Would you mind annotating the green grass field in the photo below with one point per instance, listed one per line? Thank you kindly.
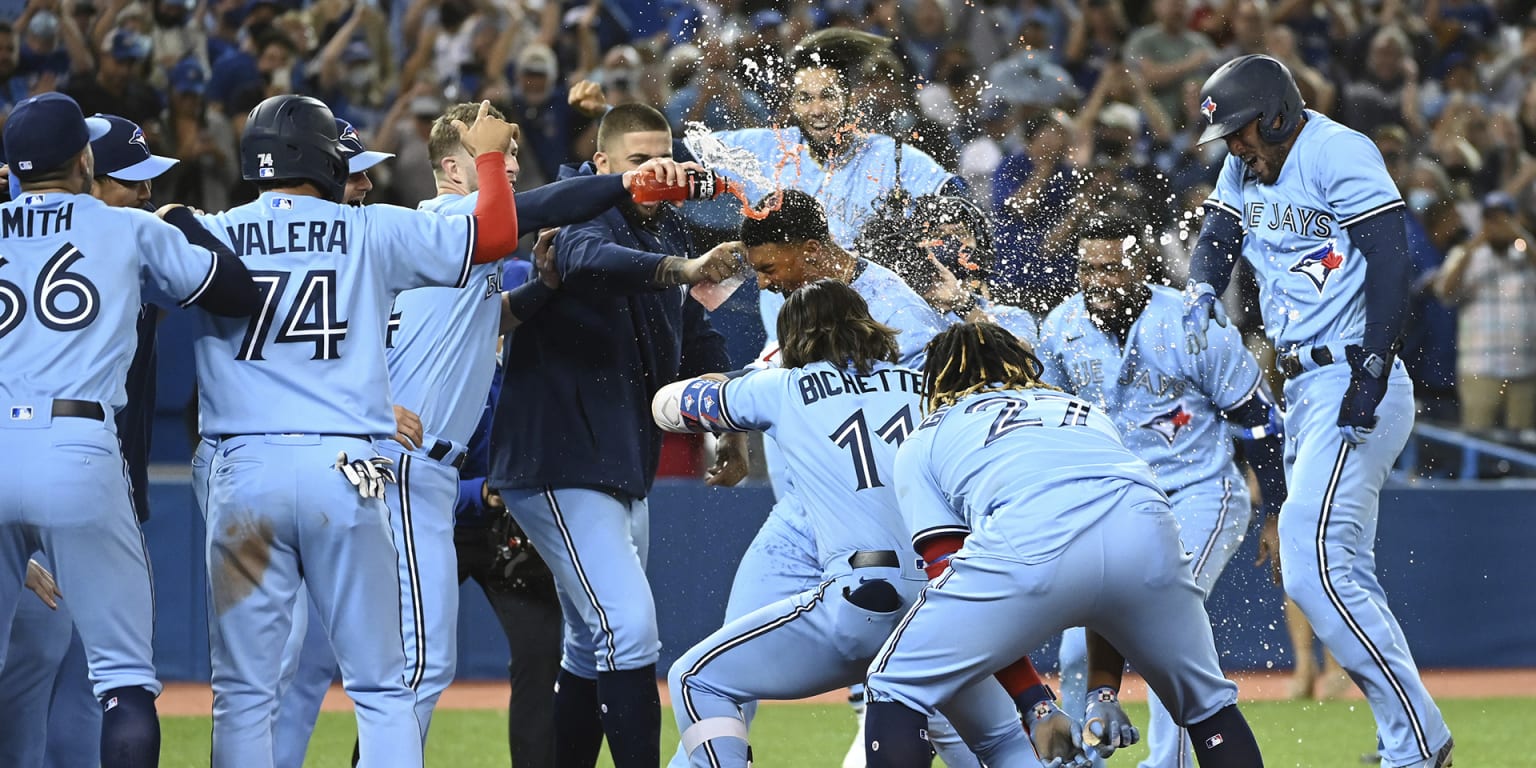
(1303, 735)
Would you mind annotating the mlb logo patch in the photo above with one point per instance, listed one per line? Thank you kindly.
(21, 413)
(1214, 741)
(1208, 108)
(110, 705)
(1317, 264)
(282, 203)
(32, 200)
(25, 165)
(266, 173)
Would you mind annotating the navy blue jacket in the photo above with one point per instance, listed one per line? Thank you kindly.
(136, 420)
(579, 375)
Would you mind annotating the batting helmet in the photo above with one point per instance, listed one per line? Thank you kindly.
(930, 212)
(1249, 88)
(294, 137)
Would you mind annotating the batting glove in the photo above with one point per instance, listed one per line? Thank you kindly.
(1367, 386)
(1105, 726)
(1057, 739)
(1201, 305)
(368, 475)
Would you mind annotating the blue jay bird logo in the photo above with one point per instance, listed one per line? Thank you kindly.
(1208, 108)
(350, 134)
(1168, 425)
(138, 138)
(1319, 263)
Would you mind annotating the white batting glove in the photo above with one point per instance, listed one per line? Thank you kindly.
(368, 476)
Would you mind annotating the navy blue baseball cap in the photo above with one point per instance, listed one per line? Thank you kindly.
(44, 132)
(359, 159)
(123, 153)
(128, 45)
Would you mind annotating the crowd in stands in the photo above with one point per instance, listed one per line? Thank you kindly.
(1047, 110)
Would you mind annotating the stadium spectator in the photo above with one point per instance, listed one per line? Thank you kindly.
(1168, 52)
(118, 86)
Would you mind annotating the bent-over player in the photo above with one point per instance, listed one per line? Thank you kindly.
(1310, 205)
(1064, 527)
(1119, 345)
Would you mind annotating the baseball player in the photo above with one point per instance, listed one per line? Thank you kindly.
(296, 398)
(50, 716)
(838, 369)
(1118, 345)
(75, 275)
(1063, 526)
(574, 450)
(1308, 202)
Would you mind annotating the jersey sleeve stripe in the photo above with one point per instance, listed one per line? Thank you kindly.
(1224, 207)
(725, 412)
(1353, 220)
(213, 269)
(1252, 390)
(940, 530)
(469, 252)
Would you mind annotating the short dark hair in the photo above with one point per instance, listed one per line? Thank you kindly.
(840, 49)
(793, 217)
(826, 321)
(629, 118)
(1109, 228)
(274, 37)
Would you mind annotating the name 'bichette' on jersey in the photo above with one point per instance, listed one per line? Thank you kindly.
(67, 312)
(327, 273)
(442, 342)
(1309, 271)
(1167, 404)
(1033, 516)
(837, 429)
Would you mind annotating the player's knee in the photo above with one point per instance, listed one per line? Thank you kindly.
(712, 729)
(130, 728)
(1224, 740)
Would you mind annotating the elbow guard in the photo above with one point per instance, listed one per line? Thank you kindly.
(692, 405)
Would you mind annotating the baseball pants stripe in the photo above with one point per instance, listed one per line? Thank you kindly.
(1349, 619)
(581, 573)
(412, 577)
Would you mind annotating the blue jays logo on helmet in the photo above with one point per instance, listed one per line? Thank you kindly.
(350, 134)
(138, 138)
(1208, 108)
(1168, 425)
(1318, 263)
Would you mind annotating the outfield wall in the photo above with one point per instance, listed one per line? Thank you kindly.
(1453, 561)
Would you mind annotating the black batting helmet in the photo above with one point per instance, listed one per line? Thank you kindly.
(294, 137)
(1249, 88)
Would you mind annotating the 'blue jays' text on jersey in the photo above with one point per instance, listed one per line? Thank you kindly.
(890, 302)
(1166, 402)
(312, 361)
(72, 274)
(442, 342)
(839, 432)
(851, 182)
(1023, 472)
(1310, 273)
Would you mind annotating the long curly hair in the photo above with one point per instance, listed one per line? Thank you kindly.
(826, 321)
(977, 357)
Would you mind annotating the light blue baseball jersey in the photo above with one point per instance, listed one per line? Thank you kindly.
(1016, 320)
(850, 184)
(839, 432)
(1167, 403)
(890, 302)
(1022, 472)
(73, 273)
(442, 342)
(312, 361)
(1310, 273)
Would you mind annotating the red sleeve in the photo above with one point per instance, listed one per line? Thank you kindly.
(495, 214)
(1019, 677)
(936, 551)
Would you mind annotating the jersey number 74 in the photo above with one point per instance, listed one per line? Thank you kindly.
(311, 318)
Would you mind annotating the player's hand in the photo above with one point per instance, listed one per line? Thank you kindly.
(41, 582)
(408, 431)
(721, 262)
(368, 476)
(544, 258)
(488, 134)
(669, 172)
(1057, 739)
(1105, 725)
(164, 210)
(1201, 305)
(490, 499)
(1269, 547)
(1368, 374)
(587, 98)
(731, 462)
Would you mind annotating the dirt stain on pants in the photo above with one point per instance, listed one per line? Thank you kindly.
(241, 555)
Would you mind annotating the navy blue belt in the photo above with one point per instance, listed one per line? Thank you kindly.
(874, 558)
(442, 448)
(79, 409)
